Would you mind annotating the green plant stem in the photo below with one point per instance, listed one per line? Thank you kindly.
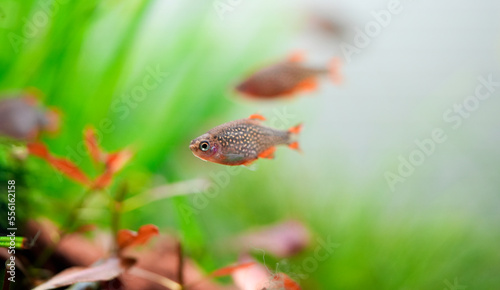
(116, 211)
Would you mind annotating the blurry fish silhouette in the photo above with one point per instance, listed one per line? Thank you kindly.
(241, 142)
(23, 119)
(287, 78)
(329, 25)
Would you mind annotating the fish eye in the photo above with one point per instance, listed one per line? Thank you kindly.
(204, 146)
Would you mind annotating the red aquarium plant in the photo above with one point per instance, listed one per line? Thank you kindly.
(113, 162)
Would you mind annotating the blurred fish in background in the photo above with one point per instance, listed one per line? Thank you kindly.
(327, 24)
(287, 78)
(23, 118)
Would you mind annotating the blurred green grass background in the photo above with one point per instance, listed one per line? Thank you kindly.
(90, 56)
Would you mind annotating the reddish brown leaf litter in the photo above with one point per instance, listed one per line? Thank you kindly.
(82, 255)
(73, 250)
(162, 259)
(103, 270)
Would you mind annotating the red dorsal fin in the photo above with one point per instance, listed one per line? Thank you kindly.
(257, 117)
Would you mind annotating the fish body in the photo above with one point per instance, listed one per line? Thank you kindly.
(22, 119)
(286, 78)
(241, 142)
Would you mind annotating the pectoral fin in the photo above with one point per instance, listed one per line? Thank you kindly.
(307, 85)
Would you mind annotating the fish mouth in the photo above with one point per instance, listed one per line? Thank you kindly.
(192, 145)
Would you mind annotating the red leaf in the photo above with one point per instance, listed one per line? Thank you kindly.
(90, 138)
(230, 269)
(104, 271)
(64, 166)
(38, 149)
(125, 238)
(145, 233)
(128, 238)
(69, 169)
(116, 161)
(104, 180)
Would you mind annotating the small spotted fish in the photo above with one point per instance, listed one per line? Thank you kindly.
(287, 78)
(241, 142)
(23, 119)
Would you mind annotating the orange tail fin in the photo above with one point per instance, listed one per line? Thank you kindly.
(295, 131)
(334, 70)
(295, 146)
